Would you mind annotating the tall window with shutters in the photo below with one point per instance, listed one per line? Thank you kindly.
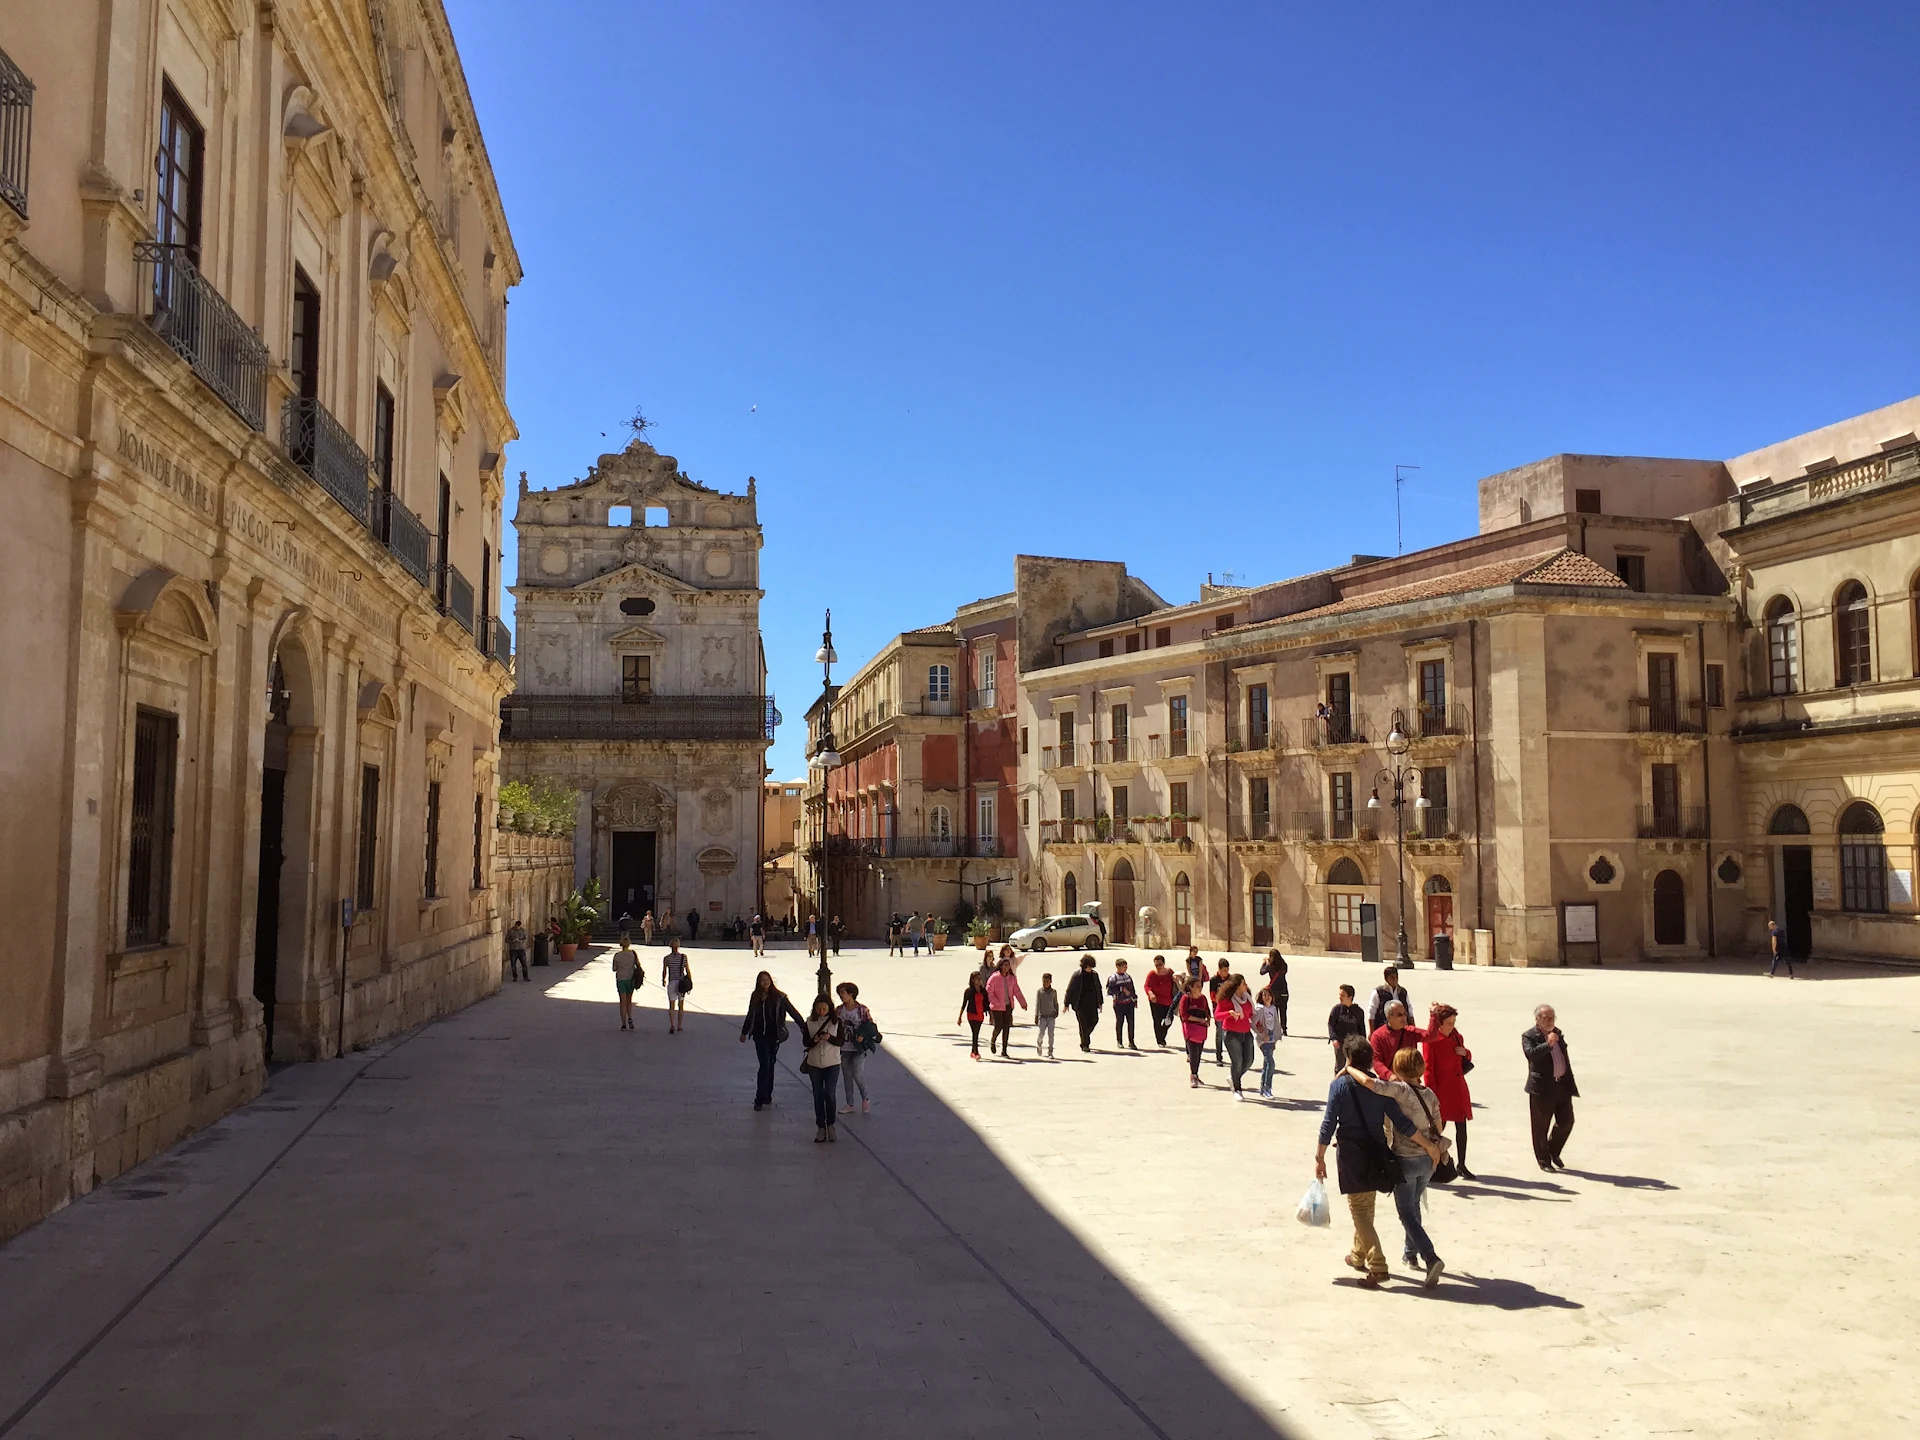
(430, 884)
(366, 869)
(1852, 635)
(156, 737)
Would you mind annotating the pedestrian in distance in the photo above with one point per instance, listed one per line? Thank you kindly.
(1084, 998)
(1196, 1018)
(813, 936)
(1417, 1153)
(1384, 995)
(1551, 1090)
(1126, 1000)
(859, 1037)
(1346, 1021)
(627, 975)
(838, 932)
(1777, 943)
(973, 1007)
(1161, 986)
(1274, 971)
(1448, 1060)
(916, 929)
(1234, 1012)
(896, 936)
(822, 1065)
(1003, 993)
(517, 952)
(766, 1024)
(1214, 981)
(757, 933)
(693, 927)
(1266, 1034)
(1195, 965)
(676, 978)
(646, 928)
(1046, 1014)
(1393, 1036)
(1365, 1166)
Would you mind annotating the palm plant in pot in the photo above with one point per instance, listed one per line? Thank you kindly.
(578, 912)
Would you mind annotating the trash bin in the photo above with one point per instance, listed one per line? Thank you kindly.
(540, 948)
(1443, 952)
(1370, 934)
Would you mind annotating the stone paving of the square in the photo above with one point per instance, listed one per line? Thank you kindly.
(521, 1221)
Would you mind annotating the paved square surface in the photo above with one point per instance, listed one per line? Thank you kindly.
(523, 1222)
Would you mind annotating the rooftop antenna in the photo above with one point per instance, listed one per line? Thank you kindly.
(1399, 545)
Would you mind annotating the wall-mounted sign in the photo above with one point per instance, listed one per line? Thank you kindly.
(1582, 924)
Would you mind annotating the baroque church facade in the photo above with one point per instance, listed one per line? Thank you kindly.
(641, 681)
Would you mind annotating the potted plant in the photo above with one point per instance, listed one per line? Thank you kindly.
(1102, 826)
(578, 912)
(937, 934)
(980, 931)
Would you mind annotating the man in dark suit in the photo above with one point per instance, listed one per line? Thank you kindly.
(1550, 1088)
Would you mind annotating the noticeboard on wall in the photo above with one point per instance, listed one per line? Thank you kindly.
(1580, 931)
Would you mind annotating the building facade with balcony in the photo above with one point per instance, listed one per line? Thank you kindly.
(253, 270)
(641, 682)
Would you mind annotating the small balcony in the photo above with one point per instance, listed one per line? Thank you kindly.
(1668, 717)
(987, 699)
(1242, 738)
(1119, 750)
(1433, 823)
(401, 531)
(1317, 826)
(1063, 757)
(16, 133)
(1677, 822)
(205, 331)
(1328, 726)
(321, 446)
(500, 642)
(459, 599)
(1257, 826)
(1433, 722)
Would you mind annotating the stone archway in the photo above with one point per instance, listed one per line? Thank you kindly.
(633, 847)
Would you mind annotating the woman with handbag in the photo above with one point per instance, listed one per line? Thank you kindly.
(767, 1012)
(1420, 1154)
(1366, 1166)
(1448, 1061)
(860, 1037)
(822, 1065)
(676, 978)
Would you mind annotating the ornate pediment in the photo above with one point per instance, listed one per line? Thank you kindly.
(637, 637)
(634, 805)
(634, 575)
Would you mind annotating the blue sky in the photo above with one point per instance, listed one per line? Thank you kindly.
(1178, 284)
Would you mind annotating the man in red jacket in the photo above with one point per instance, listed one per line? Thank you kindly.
(1393, 1037)
(1159, 988)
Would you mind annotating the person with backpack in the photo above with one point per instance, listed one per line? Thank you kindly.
(767, 1012)
(1046, 1013)
(1083, 997)
(627, 977)
(822, 1064)
(859, 1038)
(1195, 1014)
(676, 978)
(973, 1007)
(1126, 1000)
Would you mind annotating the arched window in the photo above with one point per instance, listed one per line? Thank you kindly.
(1069, 895)
(940, 823)
(1345, 872)
(1182, 909)
(939, 682)
(1262, 909)
(1788, 820)
(1852, 635)
(1437, 885)
(1863, 859)
(1783, 648)
(1669, 909)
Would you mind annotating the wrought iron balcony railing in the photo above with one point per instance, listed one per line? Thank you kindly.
(400, 530)
(1336, 727)
(987, 699)
(16, 133)
(460, 599)
(1433, 720)
(501, 647)
(658, 717)
(321, 446)
(1061, 757)
(1668, 717)
(1677, 822)
(1319, 825)
(1257, 826)
(1241, 737)
(206, 332)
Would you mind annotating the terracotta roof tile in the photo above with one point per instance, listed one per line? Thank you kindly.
(1563, 567)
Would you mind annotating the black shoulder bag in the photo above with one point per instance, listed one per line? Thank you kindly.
(1383, 1166)
(1445, 1172)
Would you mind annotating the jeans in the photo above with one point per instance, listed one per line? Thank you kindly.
(1196, 1051)
(1239, 1055)
(853, 1065)
(1002, 1030)
(517, 965)
(1219, 1043)
(1780, 957)
(1366, 1240)
(1416, 1171)
(826, 1085)
(1162, 1021)
(1557, 1108)
(767, 1047)
(1043, 1036)
(1266, 1067)
(1123, 1025)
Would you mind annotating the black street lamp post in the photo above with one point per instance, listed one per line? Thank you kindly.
(1399, 777)
(825, 758)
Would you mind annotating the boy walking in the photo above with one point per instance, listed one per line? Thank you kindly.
(1046, 1010)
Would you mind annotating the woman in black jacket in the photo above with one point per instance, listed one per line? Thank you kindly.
(766, 1022)
(1084, 998)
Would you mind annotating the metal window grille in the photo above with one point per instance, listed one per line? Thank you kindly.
(479, 837)
(150, 848)
(431, 885)
(365, 872)
(16, 133)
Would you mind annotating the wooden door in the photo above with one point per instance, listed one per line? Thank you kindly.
(1439, 919)
(1343, 919)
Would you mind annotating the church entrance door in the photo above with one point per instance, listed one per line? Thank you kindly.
(633, 873)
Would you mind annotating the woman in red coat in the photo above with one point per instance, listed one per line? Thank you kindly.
(1447, 1059)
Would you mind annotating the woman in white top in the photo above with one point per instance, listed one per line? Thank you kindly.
(1418, 1153)
(824, 1033)
(1266, 1034)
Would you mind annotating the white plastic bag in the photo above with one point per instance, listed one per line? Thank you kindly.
(1313, 1206)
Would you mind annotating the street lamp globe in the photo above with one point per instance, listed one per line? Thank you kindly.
(1373, 800)
(826, 655)
(1397, 742)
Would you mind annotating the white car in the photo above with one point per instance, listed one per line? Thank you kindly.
(1059, 932)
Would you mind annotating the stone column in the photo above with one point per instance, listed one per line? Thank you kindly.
(1526, 924)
